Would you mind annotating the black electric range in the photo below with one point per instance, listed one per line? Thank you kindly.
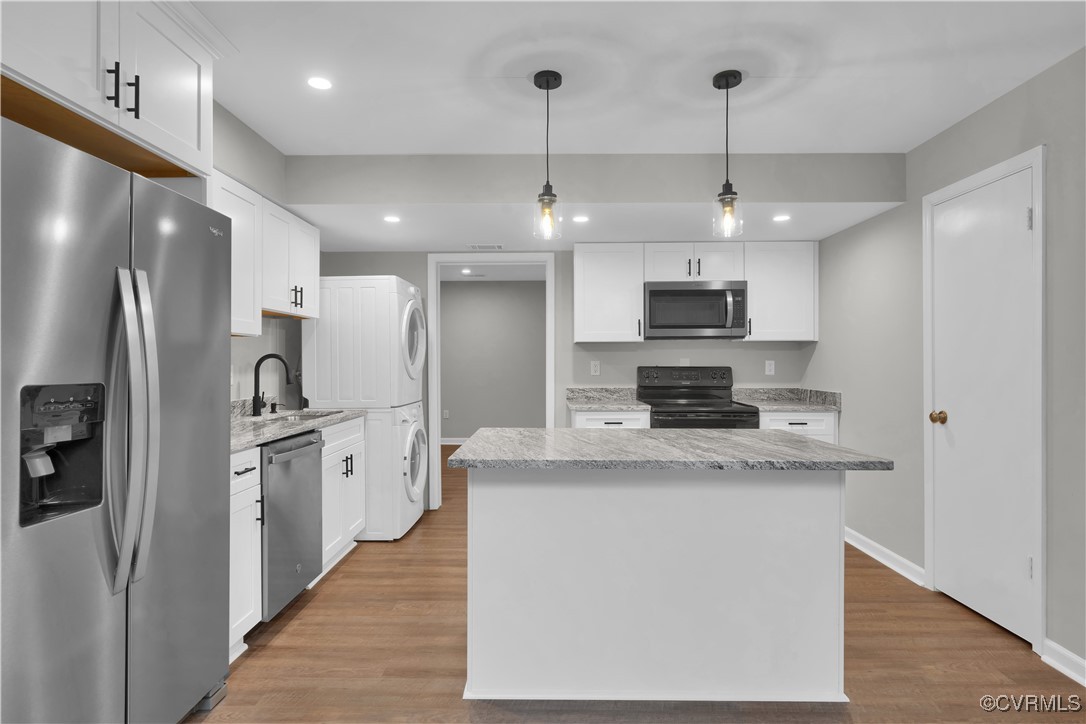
(693, 397)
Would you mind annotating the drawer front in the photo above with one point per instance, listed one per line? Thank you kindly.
(813, 424)
(625, 418)
(244, 470)
(340, 437)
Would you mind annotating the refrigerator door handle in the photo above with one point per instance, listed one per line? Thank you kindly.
(137, 448)
(154, 421)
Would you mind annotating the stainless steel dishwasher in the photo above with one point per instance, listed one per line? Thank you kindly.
(291, 518)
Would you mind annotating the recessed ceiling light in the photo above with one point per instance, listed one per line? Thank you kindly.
(392, 219)
(465, 271)
(580, 219)
(320, 83)
(781, 217)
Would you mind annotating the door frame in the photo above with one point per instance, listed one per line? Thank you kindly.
(1032, 420)
(434, 263)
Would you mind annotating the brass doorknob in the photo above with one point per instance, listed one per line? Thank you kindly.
(939, 417)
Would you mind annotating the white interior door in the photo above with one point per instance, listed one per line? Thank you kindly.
(985, 373)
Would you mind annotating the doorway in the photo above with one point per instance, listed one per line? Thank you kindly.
(451, 265)
(984, 387)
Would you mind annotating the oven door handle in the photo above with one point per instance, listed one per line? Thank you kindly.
(730, 304)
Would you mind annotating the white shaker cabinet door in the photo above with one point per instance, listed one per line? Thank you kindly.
(718, 261)
(166, 75)
(243, 206)
(669, 262)
(334, 470)
(67, 60)
(608, 292)
(304, 273)
(782, 289)
(276, 259)
(354, 491)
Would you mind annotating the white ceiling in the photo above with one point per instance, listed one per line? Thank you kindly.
(451, 227)
(454, 77)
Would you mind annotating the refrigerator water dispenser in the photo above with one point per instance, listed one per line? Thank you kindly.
(61, 448)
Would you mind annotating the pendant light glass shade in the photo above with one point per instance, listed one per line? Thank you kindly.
(547, 219)
(727, 212)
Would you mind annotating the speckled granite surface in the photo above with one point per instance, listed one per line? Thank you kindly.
(248, 431)
(632, 449)
(595, 399)
(788, 399)
(766, 399)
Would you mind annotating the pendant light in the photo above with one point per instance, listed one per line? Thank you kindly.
(547, 222)
(727, 213)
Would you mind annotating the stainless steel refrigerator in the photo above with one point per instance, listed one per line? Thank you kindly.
(114, 366)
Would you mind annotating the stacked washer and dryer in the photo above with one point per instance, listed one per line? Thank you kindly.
(367, 351)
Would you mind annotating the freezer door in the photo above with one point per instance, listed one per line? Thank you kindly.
(65, 233)
(180, 592)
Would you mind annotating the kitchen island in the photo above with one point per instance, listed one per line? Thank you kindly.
(655, 564)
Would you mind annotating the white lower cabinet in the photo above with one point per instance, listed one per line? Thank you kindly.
(818, 425)
(343, 488)
(611, 419)
(245, 547)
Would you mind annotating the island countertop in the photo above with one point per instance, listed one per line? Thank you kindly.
(654, 448)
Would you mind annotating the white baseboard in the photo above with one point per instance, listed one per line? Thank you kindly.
(1064, 661)
(453, 440)
(885, 556)
(237, 650)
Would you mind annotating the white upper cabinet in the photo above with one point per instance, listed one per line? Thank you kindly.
(244, 207)
(782, 288)
(710, 261)
(291, 263)
(166, 75)
(70, 61)
(608, 292)
(133, 65)
(719, 261)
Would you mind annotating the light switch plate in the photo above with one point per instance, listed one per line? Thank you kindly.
(770, 367)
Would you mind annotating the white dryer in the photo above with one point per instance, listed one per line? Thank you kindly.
(369, 346)
(397, 455)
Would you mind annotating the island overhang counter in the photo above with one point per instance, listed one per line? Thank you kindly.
(655, 564)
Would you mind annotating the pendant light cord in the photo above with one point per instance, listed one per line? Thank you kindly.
(727, 152)
(549, 134)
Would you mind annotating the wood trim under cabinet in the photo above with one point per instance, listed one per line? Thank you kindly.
(33, 110)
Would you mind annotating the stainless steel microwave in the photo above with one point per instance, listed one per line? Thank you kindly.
(699, 310)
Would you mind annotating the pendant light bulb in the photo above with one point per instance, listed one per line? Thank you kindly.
(547, 221)
(727, 212)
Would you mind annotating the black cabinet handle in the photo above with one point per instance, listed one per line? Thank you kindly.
(687, 267)
(245, 471)
(750, 326)
(639, 328)
(260, 517)
(699, 267)
(116, 73)
(797, 423)
(136, 86)
(346, 467)
(301, 296)
(608, 422)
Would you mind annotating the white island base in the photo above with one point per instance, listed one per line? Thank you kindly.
(660, 584)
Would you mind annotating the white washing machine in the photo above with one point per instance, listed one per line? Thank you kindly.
(397, 455)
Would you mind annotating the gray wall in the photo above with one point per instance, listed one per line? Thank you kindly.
(871, 344)
(493, 355)
(244, 155)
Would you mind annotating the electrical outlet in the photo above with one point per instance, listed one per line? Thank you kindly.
(594, 367)
(684, 361)
(444, 414)
(770, 367)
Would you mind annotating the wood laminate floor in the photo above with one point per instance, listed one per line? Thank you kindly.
(382, 639)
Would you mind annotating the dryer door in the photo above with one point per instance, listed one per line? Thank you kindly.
(413, 338)
(415, 457)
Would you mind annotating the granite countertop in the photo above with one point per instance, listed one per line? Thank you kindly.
(632, 449)
(248, 432)
(603, 399)
(766, 399)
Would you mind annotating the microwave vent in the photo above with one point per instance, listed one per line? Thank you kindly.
(486, 247)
